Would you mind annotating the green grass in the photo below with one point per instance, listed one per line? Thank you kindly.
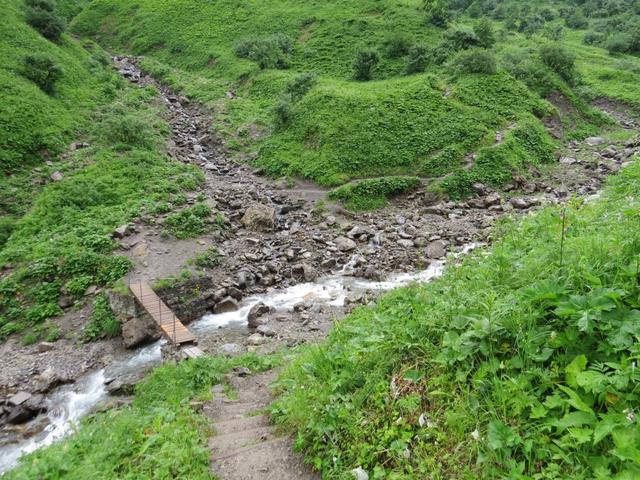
(340, 130)
(160, 436)
(373, 192)
(62, 240)
(520, 362)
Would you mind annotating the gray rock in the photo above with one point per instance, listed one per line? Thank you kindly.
(436, 249)
(405, 243)
(492, 199)
(230, 349)
(65, 301)
(520, 203)
(121, 232)
(139, 330)
(266, 331)
(345, 244)
(227, 304)
(19, 398)
(256, 339)
(305, 271)
(45, 347)
(20, 415)
(259, 218)
(255, 314)
(57, 176)
(594, 141)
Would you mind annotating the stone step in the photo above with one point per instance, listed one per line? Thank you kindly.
(227, 443)
(271, 460)
(240, 423)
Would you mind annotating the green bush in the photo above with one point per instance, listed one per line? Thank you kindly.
(485, 33)
(417, 59)
(207, 259)
(46, 22)
(300, 86)
(592, 37)
(373, 192)
(269, 51)
(438, 12)
(460, 37)
(398, 44)
(474, 61)
(364, 64)
(283, 112)
(560, 60)
(43, 71)
(189, 222)
(127, 130)
(102, 322)
(619, 43)
(577, 20)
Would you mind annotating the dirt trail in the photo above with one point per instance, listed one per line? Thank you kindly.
(245, 445)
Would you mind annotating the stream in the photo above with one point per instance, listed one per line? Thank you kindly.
(68, 404)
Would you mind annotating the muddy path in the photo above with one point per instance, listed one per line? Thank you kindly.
(286, 269)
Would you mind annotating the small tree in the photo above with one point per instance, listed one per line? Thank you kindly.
(364, 64)
(46, 22)
(417, 60)
(398, 44)
(42, 71)
(485, 33)
(558, 59)
(437, 12)
(474, 61)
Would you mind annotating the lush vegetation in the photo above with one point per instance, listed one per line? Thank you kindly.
(160, 435)
(400, 87)
(519, 363)
(373, 192)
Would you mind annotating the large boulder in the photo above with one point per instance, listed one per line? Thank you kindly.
(139, 330)
(436, 249)
(259, 218)
(226, 305)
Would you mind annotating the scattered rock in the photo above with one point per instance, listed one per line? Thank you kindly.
(255, 314)
(19, 398)
(345, 244)
(121, 232)
(43, 347)
(57, 176)
(594, 141)
(227, 304)
(259, 218)
(230, 349)
(256, 339)
(266, 331)
(436, 249)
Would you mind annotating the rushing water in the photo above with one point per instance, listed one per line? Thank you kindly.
(68, 404)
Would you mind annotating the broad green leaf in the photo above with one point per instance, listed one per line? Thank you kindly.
(606, 425)
(594, 382)
(575, 401)
(575, 419)
(581, 435)
(572, 370)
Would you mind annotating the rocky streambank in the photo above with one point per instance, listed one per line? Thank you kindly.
(269, 237)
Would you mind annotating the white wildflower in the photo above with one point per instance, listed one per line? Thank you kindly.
(360, 474)
(475, 435)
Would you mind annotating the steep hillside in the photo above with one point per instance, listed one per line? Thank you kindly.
(280, 76)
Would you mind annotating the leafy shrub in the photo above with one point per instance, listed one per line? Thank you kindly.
(207, 259)
(417, 59)
(398, 44)
(592, 37)
(558, 59)
(577, 20)
(365, 64)
(373, 192)
(6, 227)
(283, 111)
(189, 222)
(300, 86)
(102, 321)
(269, 51)
(127, 130)
(485, 33)
(46, 22)
(461, 37)
(29, 339)
(474, 61)
(619, 43)
(43, 71)
(438, 13)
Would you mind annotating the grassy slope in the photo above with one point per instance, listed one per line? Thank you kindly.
(56, 236)
(32, 122)
(342, 129)
(518, 363)
(160, 436)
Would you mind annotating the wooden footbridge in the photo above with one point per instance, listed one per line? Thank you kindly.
(172, 328)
